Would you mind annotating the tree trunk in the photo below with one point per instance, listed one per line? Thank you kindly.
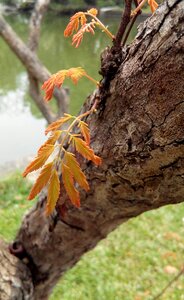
(139, 133)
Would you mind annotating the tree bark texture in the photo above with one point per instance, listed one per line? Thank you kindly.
(138, 131)
(15, 277)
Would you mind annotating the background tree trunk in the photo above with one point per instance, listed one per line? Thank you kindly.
(139, 133)
(37, 72)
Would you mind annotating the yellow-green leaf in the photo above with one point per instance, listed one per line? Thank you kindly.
(93, 11)
(53, 192)
(68, 182)
(76, 171)
(39, 161)
(41, 181)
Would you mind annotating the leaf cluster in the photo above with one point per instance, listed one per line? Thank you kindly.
(62, 161)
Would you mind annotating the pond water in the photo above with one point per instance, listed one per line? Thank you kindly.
(21, 124)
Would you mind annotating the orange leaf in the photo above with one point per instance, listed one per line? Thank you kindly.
(41, 181)
(39, 161)
(51, 140)
(93, 11)
(68, 182)
(73, 25)
(57, 79)
(76, 171)
(83, 148)
(53, 192)
(78, 37)
(153, 5)
(85, 131)
(55, 125)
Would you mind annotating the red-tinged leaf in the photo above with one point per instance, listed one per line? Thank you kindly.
(83, 148)
(78, 37)
(85, 131)
(75, 21)
(57, 79)
(41, 181)
(55, 125)
(53, 192)
(153, 5)
(51, 140)
(48, 86)
(69, 185)
(76, 171)
(39, 161)
(93, 11)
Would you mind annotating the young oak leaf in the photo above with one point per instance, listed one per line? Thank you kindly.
(75, 169)
(78, 19)
(78, 37)
(85, 131)
(83, 148)
(41, 181)
(57, 79)
(55, 125)
(53, 192)
(39, 161)
(68, 182)
(153, 5)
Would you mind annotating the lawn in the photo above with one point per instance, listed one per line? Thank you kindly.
(134, 263)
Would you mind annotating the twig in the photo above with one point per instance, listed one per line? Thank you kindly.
(181, 272)
(126, 16)
(131, 24)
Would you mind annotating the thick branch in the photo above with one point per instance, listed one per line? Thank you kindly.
(140, 136)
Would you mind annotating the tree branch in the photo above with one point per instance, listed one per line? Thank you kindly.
(35, 23)
(124, 22)
(140, 137)
(131, 24)
(33, 42)
(30, 61)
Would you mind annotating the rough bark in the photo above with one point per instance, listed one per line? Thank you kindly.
(35, 69)
(139, 133)
(15, 277)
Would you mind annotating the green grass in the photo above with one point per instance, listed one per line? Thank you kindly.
(131, 264)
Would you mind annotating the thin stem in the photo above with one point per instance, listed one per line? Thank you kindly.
(126, 16)
(181, 272)
(101, 25)
(138, 8)
(92, 79)
(67, 131)
(131, 24)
